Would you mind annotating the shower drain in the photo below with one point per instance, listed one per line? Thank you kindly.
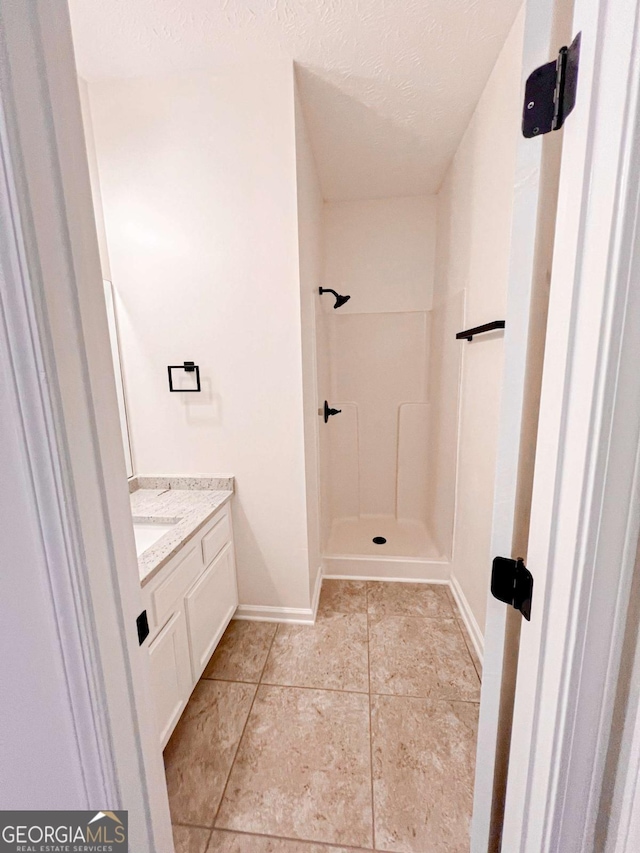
(379, 540)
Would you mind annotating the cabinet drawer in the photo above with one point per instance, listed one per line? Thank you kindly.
(214, 541)
(210, 605)
(171, 591)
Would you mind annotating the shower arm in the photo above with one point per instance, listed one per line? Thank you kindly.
(340, 300)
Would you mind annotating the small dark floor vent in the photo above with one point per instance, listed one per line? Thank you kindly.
(379, 540)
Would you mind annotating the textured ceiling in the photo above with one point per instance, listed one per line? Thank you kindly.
(388, 86)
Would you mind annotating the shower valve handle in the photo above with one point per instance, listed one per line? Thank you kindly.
(329, 412)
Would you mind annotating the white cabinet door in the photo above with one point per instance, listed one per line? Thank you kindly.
(170, 674)
(210, 604)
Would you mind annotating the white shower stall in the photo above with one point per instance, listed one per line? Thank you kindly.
(388, 360)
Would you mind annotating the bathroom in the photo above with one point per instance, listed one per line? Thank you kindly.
(250, 170)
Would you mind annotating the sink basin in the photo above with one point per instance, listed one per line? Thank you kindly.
(148, 532)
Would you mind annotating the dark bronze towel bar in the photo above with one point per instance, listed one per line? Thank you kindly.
(478, 330)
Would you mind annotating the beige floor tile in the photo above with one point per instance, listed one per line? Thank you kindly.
(343, 597)
(423, 766)
(223, 841)
(199, 755)
(420, 657)
(332, 654)
(190, 839)
(408, 599)
(303, 768)
(242, 651)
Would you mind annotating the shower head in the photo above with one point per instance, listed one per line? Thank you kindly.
(340, 300)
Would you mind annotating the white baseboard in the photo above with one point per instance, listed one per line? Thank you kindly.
(473, 629)
(353, 577)
(262, 613)
(386, 569)
(293, 615)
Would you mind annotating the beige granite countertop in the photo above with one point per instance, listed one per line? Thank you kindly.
(191, 508)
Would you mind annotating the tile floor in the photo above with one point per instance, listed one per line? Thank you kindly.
(355, 733)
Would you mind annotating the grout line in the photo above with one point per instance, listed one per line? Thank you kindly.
(227, 680)
(373, 802)
(439, 618)
(426, 698)
(235, 754)
(208, 829)
(266, 660)
(244, 728)
(465, 637)
(308, 687)
(334, 845)
(470, 648)
(452, 602)
(209, 840)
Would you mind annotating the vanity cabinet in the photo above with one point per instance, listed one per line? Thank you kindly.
(209, 605)
(189, 604)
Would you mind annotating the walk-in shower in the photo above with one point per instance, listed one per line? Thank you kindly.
(389, 362)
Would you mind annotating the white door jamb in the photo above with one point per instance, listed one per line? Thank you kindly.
(52, 308)
(585, 514)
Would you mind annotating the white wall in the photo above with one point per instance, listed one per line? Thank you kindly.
(379, 365)
(198, 179)
(474, 216)
(445, 357)
(310, 251)
(381, 252)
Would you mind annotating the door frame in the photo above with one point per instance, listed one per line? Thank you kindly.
(62, 394)
(57, 277)
(545, 28)
(585, 516)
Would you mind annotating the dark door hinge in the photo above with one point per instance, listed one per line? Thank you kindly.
(550, 92)
(512, 582)
(142, 624)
